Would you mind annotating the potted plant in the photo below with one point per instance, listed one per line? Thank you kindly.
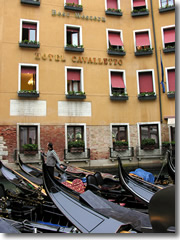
(30, 149)
(113, 11)
(28, 93)
(139, 12)
(148, 144)
(74, 48)
(29, 44)
(76, 95)
(116, 51)
(119, 96)
(120, 145)
(171, 94)
(76, 146)
(73, 7)
(147, 96)
(143, 51)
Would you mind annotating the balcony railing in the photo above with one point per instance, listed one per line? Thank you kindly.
(77, 156)
(127, 153)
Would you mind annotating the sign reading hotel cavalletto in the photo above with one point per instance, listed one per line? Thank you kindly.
(78, 59)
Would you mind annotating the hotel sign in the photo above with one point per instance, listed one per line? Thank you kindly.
(78, 59)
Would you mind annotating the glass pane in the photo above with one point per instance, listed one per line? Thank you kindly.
(75, 86)
(32, 35)
(75, 39)
(79, 133)
(144, 132)
(170, 2)
(32, 135)
(23, 136)
(70, 134)
(163, 3)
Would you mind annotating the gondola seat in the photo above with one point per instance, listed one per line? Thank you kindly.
(106, 183)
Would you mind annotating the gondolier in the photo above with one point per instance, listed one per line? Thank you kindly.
(52, 158)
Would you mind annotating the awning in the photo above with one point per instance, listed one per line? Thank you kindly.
(171, 122)
(139, 3)
(115, 39)
(171, 79)
(29, 26)
(112, 4)
(117, 80)
(73, 75)
(169, 35)
(30, 70)
(72, 1)
(142, 39)
(145, 82)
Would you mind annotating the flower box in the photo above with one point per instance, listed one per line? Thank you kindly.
(68, 96)
(28, 94)
(29, 45)
(143, 53)
(31, 2)
(171, 95)
(148, 147)
(119, 98)
(76, 149)
(120, 148)
(114, 13)
(139, 13)
(169, 50)
(30, 152)
(74, 8)
(146, 97)
(166, 9)
(115, 52)
(74, 49)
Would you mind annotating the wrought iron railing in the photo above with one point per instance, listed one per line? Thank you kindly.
(123, 153)
(77, 156)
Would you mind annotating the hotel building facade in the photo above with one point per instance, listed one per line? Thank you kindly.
(95, 78)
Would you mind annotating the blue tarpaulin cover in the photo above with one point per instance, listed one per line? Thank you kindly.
(147, 176)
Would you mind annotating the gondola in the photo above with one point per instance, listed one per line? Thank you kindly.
(21, 182)
(142, 190)
(91, 213)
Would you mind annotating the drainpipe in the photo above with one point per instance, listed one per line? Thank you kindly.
(157, 66)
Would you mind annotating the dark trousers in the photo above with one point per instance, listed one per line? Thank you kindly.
(50, 170)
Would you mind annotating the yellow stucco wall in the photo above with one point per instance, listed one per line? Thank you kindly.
(96, 79)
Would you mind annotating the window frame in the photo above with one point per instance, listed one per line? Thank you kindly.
(120, 125)
(160, 3)
(162, 33)
(81, 76)
(118, 5)
(37, 75)
(124, 79)
(150, 124)
(153, 79)
(31, 22)
(116, 31)
(75, 125)
(141, 31)
(132, 8)
(167, 80)
(28, 125)
(72, 26)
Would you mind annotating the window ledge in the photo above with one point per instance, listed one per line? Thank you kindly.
(119, 98)
(171, 95)
(31, 2)
(113, 13)
(151, 97)
(143, 53)
(29, 45)
(114, 52)
(77, 9)
(75, 96)
(74, 49)
(161, 10)
(168, 50)
(28, 95)
(137, 14)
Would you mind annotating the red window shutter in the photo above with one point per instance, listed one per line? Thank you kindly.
(73, 30)
(115, 39)
(72, 1)
(112, 4)
(139, 3)
(30, 70)
(29, 26)
(145, 82)
(171, 80)
(142, 39)
(73, 75)
(169, 35)
(117, 80)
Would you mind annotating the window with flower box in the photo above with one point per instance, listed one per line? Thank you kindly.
(28, 84)
(146, 85)
(74, 83)
(115, 42)
(120, 137)
(29, 33)
(166, 5)
(73, 38)
(142, 42)
(170, 81)
(168, 38)
(149, 136)
(112, 7)
(139, 8)
(117, 85)
(75, 138)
